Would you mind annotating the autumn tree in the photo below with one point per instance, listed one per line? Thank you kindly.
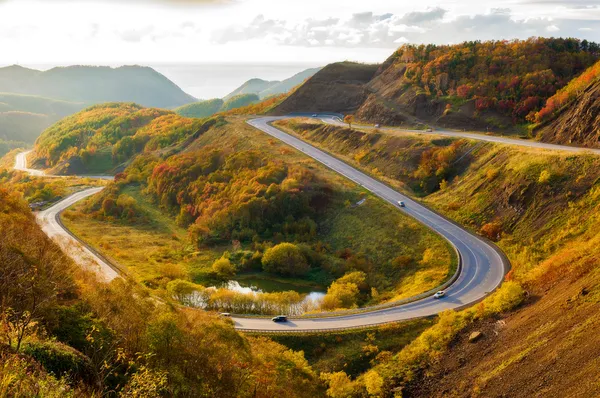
(349, 119)
(223, 268)
(285, 259)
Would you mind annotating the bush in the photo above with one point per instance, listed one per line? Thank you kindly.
(224, 268)
(285, 259)
(59, 359)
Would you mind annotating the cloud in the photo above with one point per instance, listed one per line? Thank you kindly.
(417, 17)
(367, 29)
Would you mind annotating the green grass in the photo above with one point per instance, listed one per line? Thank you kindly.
(158, 250)
(354, 350)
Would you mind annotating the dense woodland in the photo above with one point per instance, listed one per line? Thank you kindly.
(512, 77)
(103, 136)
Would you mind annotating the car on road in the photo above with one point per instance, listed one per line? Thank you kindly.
(315, 115)
(401, 203)
(377, 126)
(429, 130)
(279, 318)
(439, 294)
(225, 314)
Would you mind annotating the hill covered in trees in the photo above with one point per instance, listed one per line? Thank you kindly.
(92, 85)
(210, 107)
(200, 109)
(495, 84)
(103, 136)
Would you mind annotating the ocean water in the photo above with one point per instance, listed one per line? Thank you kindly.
(205, 81)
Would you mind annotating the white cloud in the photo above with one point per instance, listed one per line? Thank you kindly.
(132, 31)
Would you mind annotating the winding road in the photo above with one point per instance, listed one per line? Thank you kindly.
(482, 265)
(50, 223)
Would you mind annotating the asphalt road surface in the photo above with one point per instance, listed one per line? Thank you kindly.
(49, 222)
(473, 136)
(483, 268)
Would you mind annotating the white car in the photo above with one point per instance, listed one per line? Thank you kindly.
(377, 126)
(401, 203)
(439, 294)
(315, 115)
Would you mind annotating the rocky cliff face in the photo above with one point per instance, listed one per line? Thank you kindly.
(579, 123)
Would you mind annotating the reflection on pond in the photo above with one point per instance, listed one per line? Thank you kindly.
(250, 296)
(257, 285)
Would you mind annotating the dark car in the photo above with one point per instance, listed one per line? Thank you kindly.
(279, 318)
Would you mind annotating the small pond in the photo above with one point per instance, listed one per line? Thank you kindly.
(252, 284)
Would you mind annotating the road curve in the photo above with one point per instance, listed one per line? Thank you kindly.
(21, 165)
(483, 267)
(49, 221)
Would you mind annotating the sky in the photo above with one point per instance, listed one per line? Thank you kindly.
(115, 32)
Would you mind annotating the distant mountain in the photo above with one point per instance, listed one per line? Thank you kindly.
(208, 108)
(239, 101)
(200, 109)
(24, 117)
(252, 86)
(286, 85)
(92, 85)
(264, 88)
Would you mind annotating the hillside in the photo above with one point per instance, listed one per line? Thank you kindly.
(494, 85)
(101, 137)
(93, 339)
(200, 109)
(540, 208)
(234, 186)
(24, 117)
(252, 86)
(208, 108)
(339, 87)
(92, 85)
(239, 101)
(264, 88)
(572, 116)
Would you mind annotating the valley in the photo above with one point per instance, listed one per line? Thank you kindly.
(420, 227)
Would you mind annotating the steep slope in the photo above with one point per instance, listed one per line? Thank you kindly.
(572, 115)
(578, 123)
(93, 85)
(541, 209)
(103, 136)
(339, 87)
(494, 85)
